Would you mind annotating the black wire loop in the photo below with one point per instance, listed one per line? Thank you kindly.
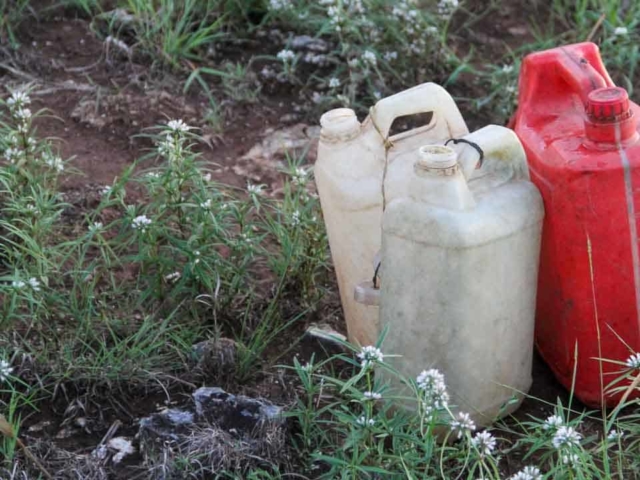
(470, 143)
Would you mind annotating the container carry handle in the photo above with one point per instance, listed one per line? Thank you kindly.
(502, 154)
(424, 98)
(579, 65)
(579, 73)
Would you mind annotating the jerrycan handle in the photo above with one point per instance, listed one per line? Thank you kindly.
(502, 154)
(580, 74)
(579, 66)
(424, 98)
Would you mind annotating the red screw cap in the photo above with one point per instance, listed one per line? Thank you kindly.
(609, 104)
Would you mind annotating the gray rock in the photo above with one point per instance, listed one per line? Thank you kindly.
(229, 411)
(169, 424)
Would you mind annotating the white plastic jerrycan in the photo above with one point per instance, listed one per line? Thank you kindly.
(352, 160)
(459, 274)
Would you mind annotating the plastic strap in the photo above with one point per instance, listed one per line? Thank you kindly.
(472, 144)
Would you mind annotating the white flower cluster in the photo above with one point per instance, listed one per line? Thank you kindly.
(369, 396)
(255, 189)
(633, 361)
(363, 422)
(339, 12)
(286, 55)
(368, 57)
(141, 222)
(17, 104)
(5, 370)
(33, 283)
(435, 395)
(95, 226)
(615, 435)
(53, 161)
(173, 277)
(172, 146)
(276, 5)
(295, 218)
(178, 126)
(369, 355)
(527, 473)
(462, 424)
(552, 423)
(566, 436)
(484, 442)
(447, 7)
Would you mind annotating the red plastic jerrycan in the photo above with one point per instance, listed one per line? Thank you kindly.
(580, 135)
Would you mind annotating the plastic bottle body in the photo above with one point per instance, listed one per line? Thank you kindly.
(459, 286)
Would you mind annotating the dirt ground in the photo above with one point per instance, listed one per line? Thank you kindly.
(99, 101)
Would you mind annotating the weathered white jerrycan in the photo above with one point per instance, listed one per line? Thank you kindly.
(459, 274)
(352, 160)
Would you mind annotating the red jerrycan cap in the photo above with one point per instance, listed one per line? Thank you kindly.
(608, 104)
(609, 116)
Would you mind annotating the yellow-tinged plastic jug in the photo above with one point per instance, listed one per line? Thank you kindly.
(352, 160)
(459, 273)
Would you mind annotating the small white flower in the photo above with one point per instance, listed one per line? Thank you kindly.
(571, 459)
(507, 68)
(206, 177)
(300, 176)
(510, 89)
(141, 222)
(18, 284)
(153, 175)
(369, 57)
(173, 277)
(95, 226)
(447, 7)
(34, 284)
(434, 390)
(389, 56)
(279, 4)
(528, 473)
(615, 435)
(566, 436)
(553, 422)
(633, 361)
(5, 370)
(484, 442)
(621, 31)
(11, 154)
(370, 354)
(463, 424)
(23, 114)
(286, 55)
(353, 63)
(178, 126)
(106, 190)
(316, 98)
(54, 162)
(362, 421)
(255, 189)
(334, 82)
(369, 395)
(307, 367)
(432, 30)
(206, 204)
(18, 99)
(295, 218)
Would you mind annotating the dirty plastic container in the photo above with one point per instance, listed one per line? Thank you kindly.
(581, 137)
(352, 161)
(459, 275)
